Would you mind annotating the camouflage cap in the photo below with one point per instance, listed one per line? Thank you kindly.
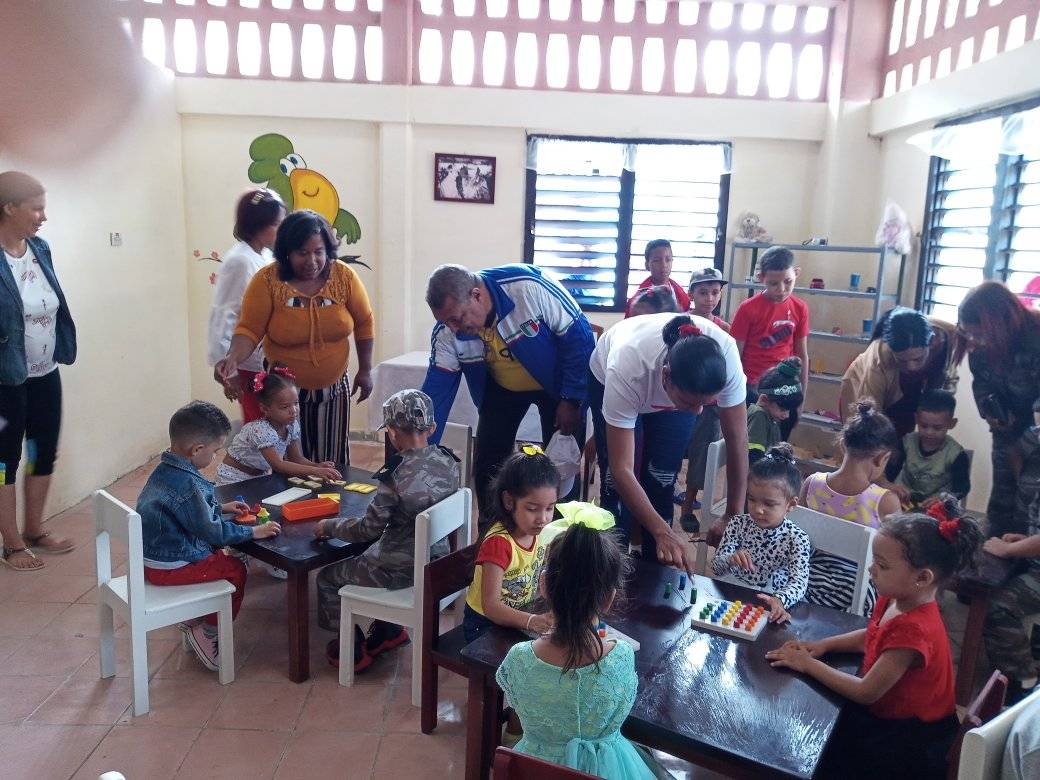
(408, 409)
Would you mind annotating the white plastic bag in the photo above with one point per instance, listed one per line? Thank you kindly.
(894, 231)
(564, 453)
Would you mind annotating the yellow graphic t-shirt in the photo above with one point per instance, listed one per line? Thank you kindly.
(521, 566)
(506, 369)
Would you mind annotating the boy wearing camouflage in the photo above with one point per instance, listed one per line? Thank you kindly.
(1007, 642)
(414, 479)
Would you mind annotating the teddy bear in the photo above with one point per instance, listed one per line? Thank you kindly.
(750, 229)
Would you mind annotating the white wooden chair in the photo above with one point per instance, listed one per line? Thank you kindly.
(404, 606)
(982, 751)
(146, 607)
(842, 538)
(459, 438)
(712, 506)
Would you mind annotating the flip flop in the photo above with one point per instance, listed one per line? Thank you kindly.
(57, 548)
(35, 563)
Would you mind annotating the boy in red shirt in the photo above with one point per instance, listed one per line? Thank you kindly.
(658, 256)
(773, 324)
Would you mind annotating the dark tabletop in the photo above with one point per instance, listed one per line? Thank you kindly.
(705, 693)
(296, 547)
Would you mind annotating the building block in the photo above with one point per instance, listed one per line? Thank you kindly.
(278, 499)
(310, 509)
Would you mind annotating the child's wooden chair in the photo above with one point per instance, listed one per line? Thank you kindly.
(441, 579)
(977, 750)
(146, 607)
(405, 606)
(510, 765)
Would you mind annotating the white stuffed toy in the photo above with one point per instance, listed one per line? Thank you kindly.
(750, 229)
(894, 232)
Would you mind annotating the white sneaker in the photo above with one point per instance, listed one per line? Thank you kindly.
(204, 645)
(274, 571)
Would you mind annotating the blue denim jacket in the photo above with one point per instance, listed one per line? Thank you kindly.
(180, 517)
(13, 367)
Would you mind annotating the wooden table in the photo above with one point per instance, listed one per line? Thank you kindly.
(702, 696)
(977, 585)
(298, 552)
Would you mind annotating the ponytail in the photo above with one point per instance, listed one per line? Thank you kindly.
(868, 431)
(584, 568)
(695, 360)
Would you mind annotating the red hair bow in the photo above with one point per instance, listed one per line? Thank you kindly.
(689, 330)
(258, 380)
(948, 526)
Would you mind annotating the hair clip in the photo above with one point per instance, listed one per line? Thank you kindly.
(258, 196)
(784, 390)
(258, 381)
(949, 527)
(532, 449)
(689, 329)
(284, 371)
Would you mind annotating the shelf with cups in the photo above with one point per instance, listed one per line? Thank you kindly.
(882, 261)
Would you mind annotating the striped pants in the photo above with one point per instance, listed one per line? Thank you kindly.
(325, 422)
(1007, 642)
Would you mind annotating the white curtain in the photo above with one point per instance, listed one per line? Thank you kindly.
(978, 142)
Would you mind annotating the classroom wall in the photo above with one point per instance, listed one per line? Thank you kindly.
(903, 177)
(130, 303)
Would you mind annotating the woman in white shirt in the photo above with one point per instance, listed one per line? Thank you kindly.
(257, 217)
(650, 376)
(36, 334)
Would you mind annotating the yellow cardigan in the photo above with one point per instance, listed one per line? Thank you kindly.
(310, 338)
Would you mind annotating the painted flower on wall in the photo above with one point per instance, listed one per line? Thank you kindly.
(213, 256)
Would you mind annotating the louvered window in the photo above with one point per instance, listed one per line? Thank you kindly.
(983, 223)
(592, 206)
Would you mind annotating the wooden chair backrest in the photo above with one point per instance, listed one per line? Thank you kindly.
(510, 765)
(983, 708)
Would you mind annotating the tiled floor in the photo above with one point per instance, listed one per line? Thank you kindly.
(59, 720)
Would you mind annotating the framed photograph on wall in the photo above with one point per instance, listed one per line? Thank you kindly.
(464, 178)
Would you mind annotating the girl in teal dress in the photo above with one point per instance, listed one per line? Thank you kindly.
(572, 689)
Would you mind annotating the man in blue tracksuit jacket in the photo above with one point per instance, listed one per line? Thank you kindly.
(520, 339)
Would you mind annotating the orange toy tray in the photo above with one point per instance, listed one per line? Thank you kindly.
(310, 509)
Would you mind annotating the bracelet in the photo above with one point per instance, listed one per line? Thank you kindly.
(529, 622)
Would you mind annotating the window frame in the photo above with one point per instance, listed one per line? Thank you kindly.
(623, 256)
(1001, 233)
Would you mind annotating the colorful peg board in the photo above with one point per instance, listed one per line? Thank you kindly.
(733, 618)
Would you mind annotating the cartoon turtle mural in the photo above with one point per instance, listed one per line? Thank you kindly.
(277, 165)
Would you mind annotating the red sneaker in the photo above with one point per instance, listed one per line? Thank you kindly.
(384, 636)
(362, 659)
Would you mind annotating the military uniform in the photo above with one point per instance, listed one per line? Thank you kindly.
(1007, 642)
(410, 482)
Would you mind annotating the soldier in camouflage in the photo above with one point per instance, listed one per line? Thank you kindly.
(414, 479)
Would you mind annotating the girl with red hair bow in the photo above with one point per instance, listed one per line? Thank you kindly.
(272, 443)
(904, 715)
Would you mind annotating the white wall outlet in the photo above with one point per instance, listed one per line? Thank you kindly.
(115, 239)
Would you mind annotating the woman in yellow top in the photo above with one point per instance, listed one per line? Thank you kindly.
(304, 307)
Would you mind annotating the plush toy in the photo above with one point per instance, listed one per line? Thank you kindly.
(894, 232)
(749, 229)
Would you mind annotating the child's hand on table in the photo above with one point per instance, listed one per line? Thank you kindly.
(999, 547)
(742, 559)
(777, 613)
(792, 655)
(266, 530)
(543, 623)
(237, 507)
(327, 470)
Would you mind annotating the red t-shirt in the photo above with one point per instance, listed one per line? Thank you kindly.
(925, 691)
(680, 295)
(768, 331)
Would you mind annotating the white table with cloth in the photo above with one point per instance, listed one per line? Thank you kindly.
(409, 370)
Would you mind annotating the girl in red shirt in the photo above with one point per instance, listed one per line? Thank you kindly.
(903, 720)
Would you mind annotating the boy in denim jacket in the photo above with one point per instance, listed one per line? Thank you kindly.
(181, 525)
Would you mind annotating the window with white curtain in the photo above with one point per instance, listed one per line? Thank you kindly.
(983, 219)
(593, 204)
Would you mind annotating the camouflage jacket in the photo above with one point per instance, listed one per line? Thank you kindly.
(411, 482)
